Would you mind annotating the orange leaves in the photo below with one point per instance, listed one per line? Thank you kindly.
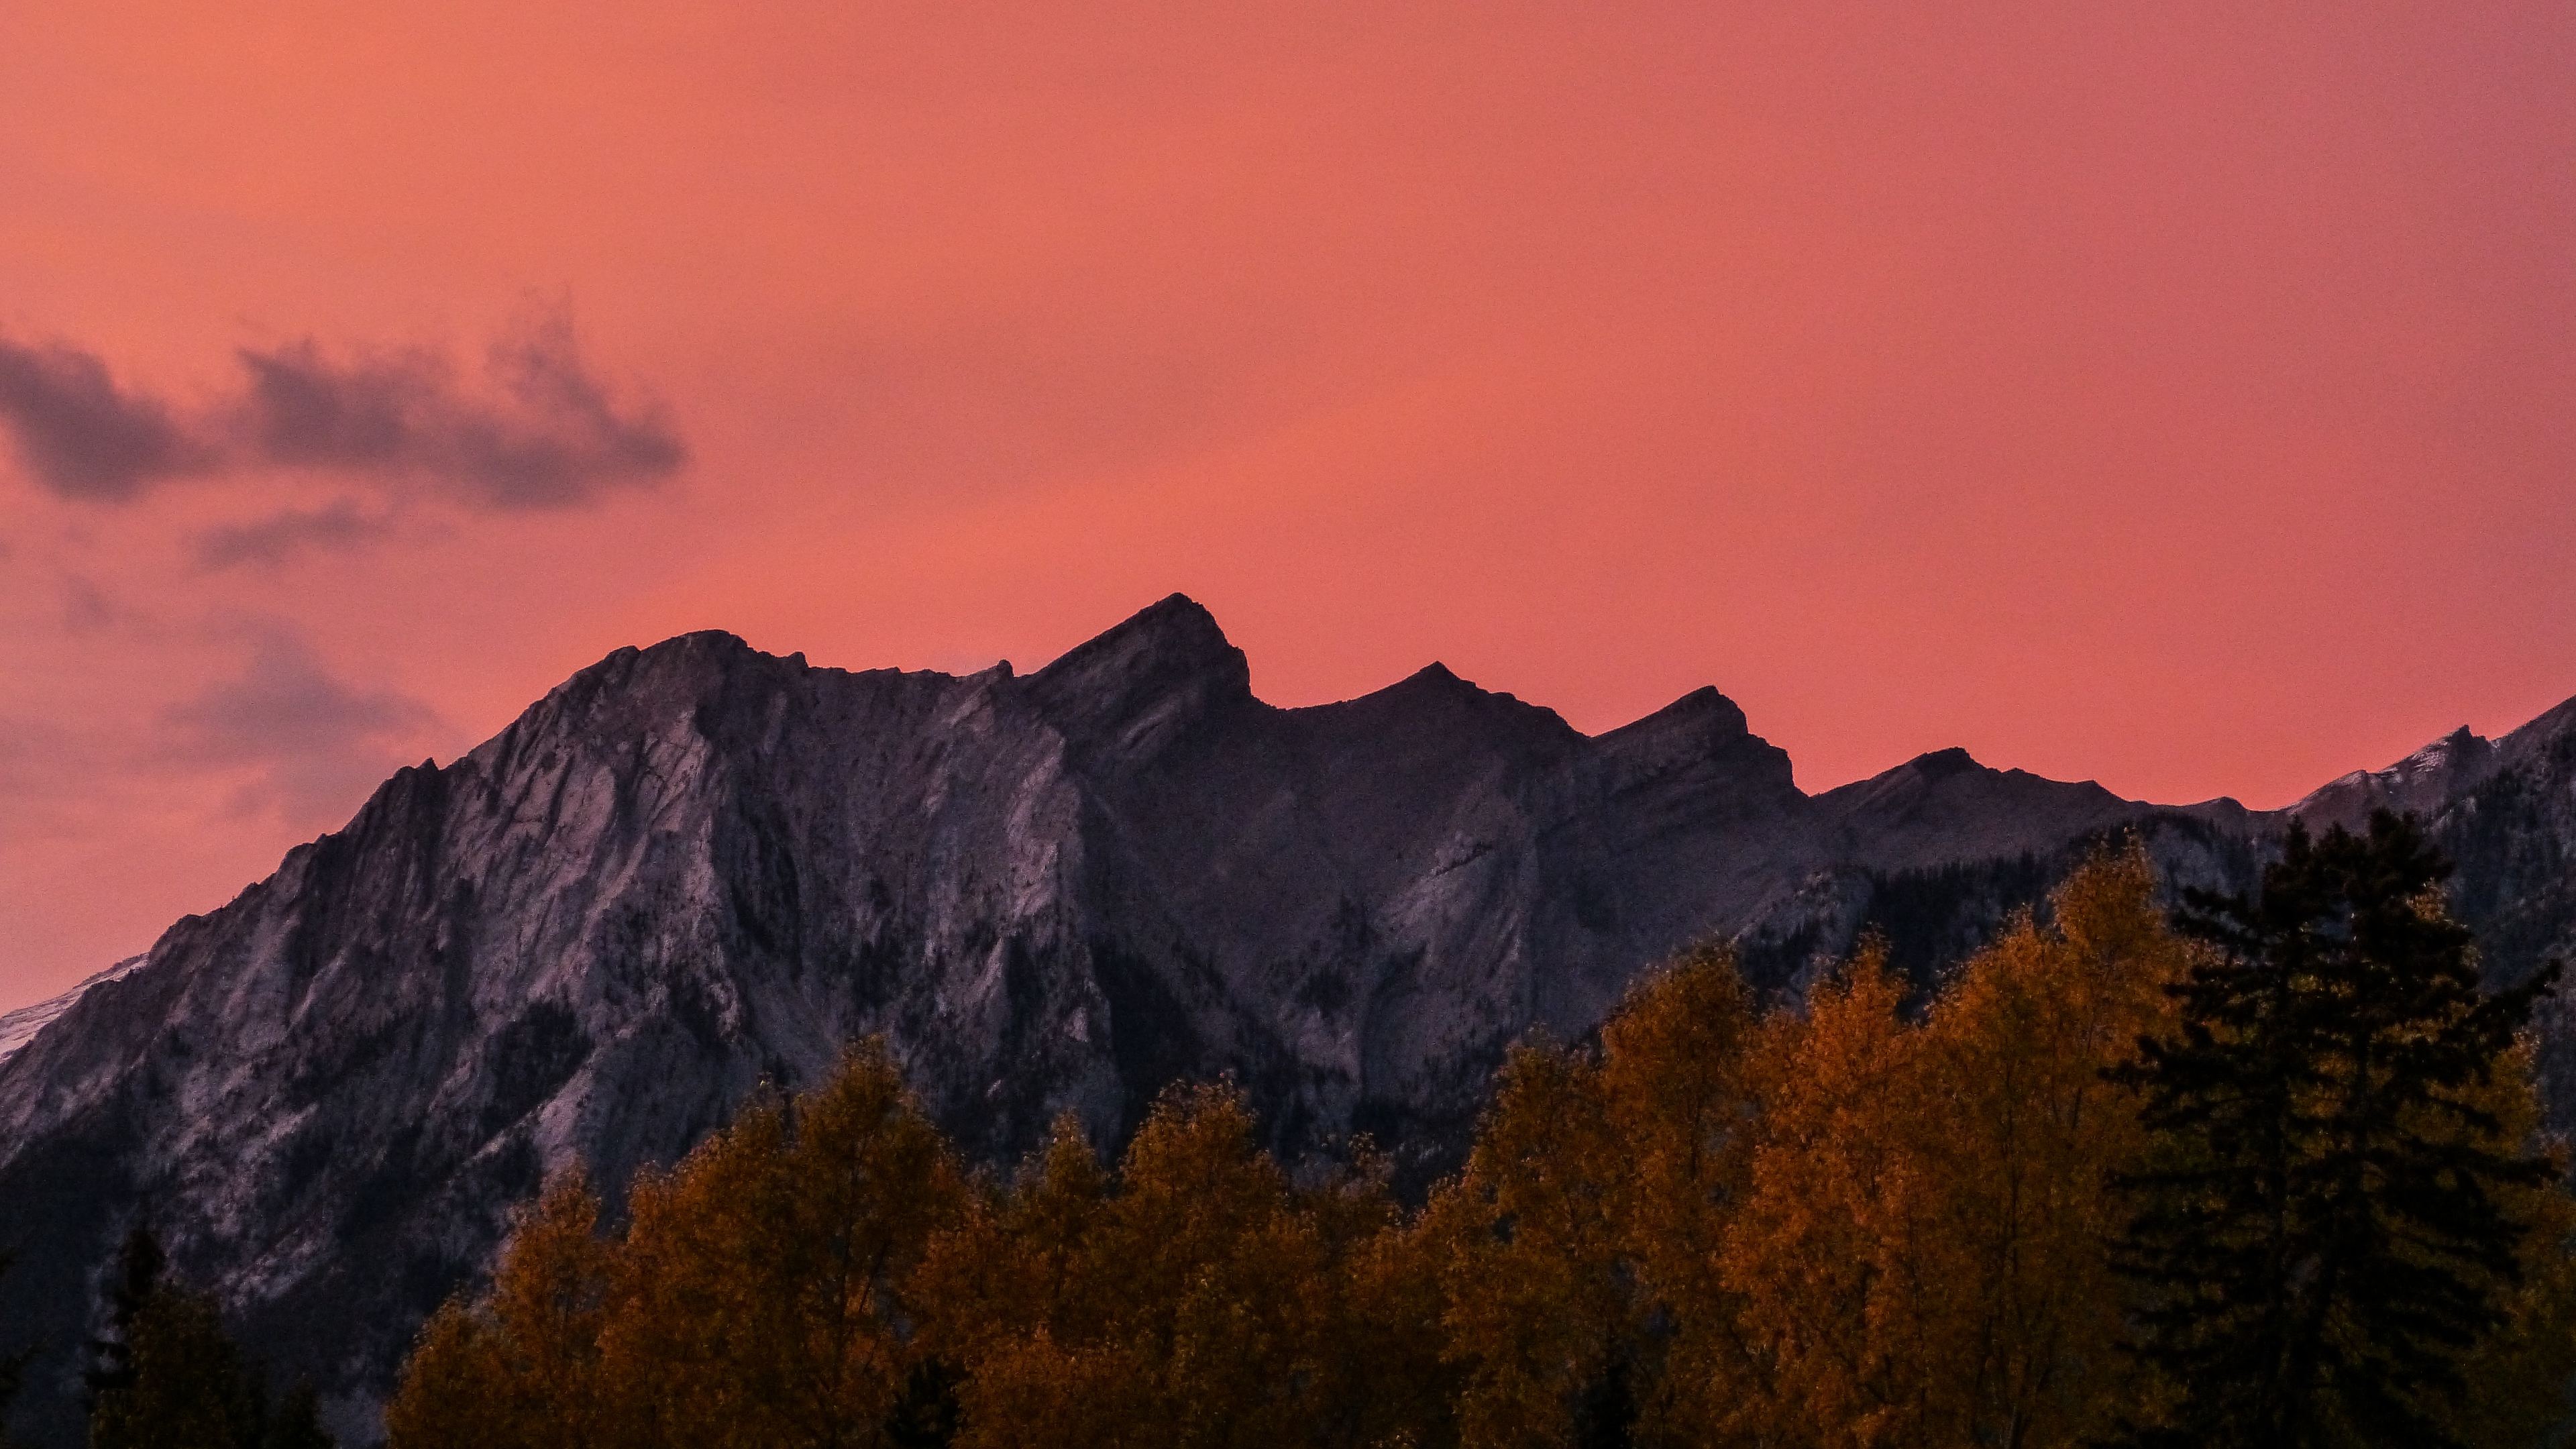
(755, 1299)
(1922, 1253)
(521, 1369)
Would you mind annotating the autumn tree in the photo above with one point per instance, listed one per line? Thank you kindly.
(1921, 1256)
(761, 1289)
(1828, 1252)
(2026, 1137)
(519, 1368)
(2330, 1231)
(1198, 1296)
(756, 1298)
(1678, 1106)
(1535, 1312)
(1580, 1246)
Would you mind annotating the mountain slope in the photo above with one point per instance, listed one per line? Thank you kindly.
(694, 868)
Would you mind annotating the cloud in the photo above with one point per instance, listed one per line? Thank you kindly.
(84, 437)
(87, 607)
(273, 540)
(314, 745)
(547, 436)
(541, 431)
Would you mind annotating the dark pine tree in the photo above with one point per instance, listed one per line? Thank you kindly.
(13, 1367)
(164, 1374)
(2320, 1243)
(296, 1423)
(927, 1413)
(189, 1388)
(130, 1285)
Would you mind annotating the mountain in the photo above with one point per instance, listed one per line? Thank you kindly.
(17, 1028)
(695, 868)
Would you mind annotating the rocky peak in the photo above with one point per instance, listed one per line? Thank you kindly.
(1942, 764)
(1944, 806)
(2424, 782)
(1702, 731)
(1140, 684)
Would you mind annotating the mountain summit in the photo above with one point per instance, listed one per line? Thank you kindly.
(695, 868)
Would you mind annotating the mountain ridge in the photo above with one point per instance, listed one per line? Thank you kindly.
(695, 867)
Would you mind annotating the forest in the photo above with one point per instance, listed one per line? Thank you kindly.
(2250, 1171)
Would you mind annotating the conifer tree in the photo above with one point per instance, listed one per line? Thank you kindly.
(13, 1367)
(131, 1283)
(2326, 1235)
(165, 1375)
(296, 1422)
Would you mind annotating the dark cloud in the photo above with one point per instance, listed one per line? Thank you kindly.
(541, 432)
(81, 435)
(267, 542)
(547, 435)
(316, 745)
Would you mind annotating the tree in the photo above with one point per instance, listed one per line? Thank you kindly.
(1580, 1249)
(2328, 1231)
(1194, 1300)
(518, 1369)
(1920, 1255)
(1678, 1104)
(131, 1284)
(13, 1367)
(296, 1423)
(1827, 1251)
(2023, 1138)
(1536, 1311)
(759, 1296)
(164, 1375)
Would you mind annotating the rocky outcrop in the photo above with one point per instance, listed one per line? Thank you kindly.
(696, 868)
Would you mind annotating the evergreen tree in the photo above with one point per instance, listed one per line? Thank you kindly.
(2324, 1235)
(131, 1285)
(296, 1423)
(13, 1367)
(186, 1386)
(164, 1375)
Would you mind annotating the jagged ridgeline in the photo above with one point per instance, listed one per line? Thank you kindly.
(696, 868)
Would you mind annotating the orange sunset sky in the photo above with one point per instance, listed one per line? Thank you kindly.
(2181, 396)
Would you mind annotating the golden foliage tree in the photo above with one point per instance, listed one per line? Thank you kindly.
(520, 1368)
(1922, 1255)
(757, 1297)
(762, 1295)
(1580, 1248)
(1198, 1298)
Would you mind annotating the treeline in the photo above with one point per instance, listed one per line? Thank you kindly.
(2265, 1173)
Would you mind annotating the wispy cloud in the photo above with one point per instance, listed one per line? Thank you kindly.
(313, 744)
(540, 430)
(279, 537)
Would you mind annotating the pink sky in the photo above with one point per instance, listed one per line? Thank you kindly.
(2182, 396)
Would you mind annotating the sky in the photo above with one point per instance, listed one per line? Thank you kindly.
(2179, 396)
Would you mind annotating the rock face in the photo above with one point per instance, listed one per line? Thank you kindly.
(696, 867)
